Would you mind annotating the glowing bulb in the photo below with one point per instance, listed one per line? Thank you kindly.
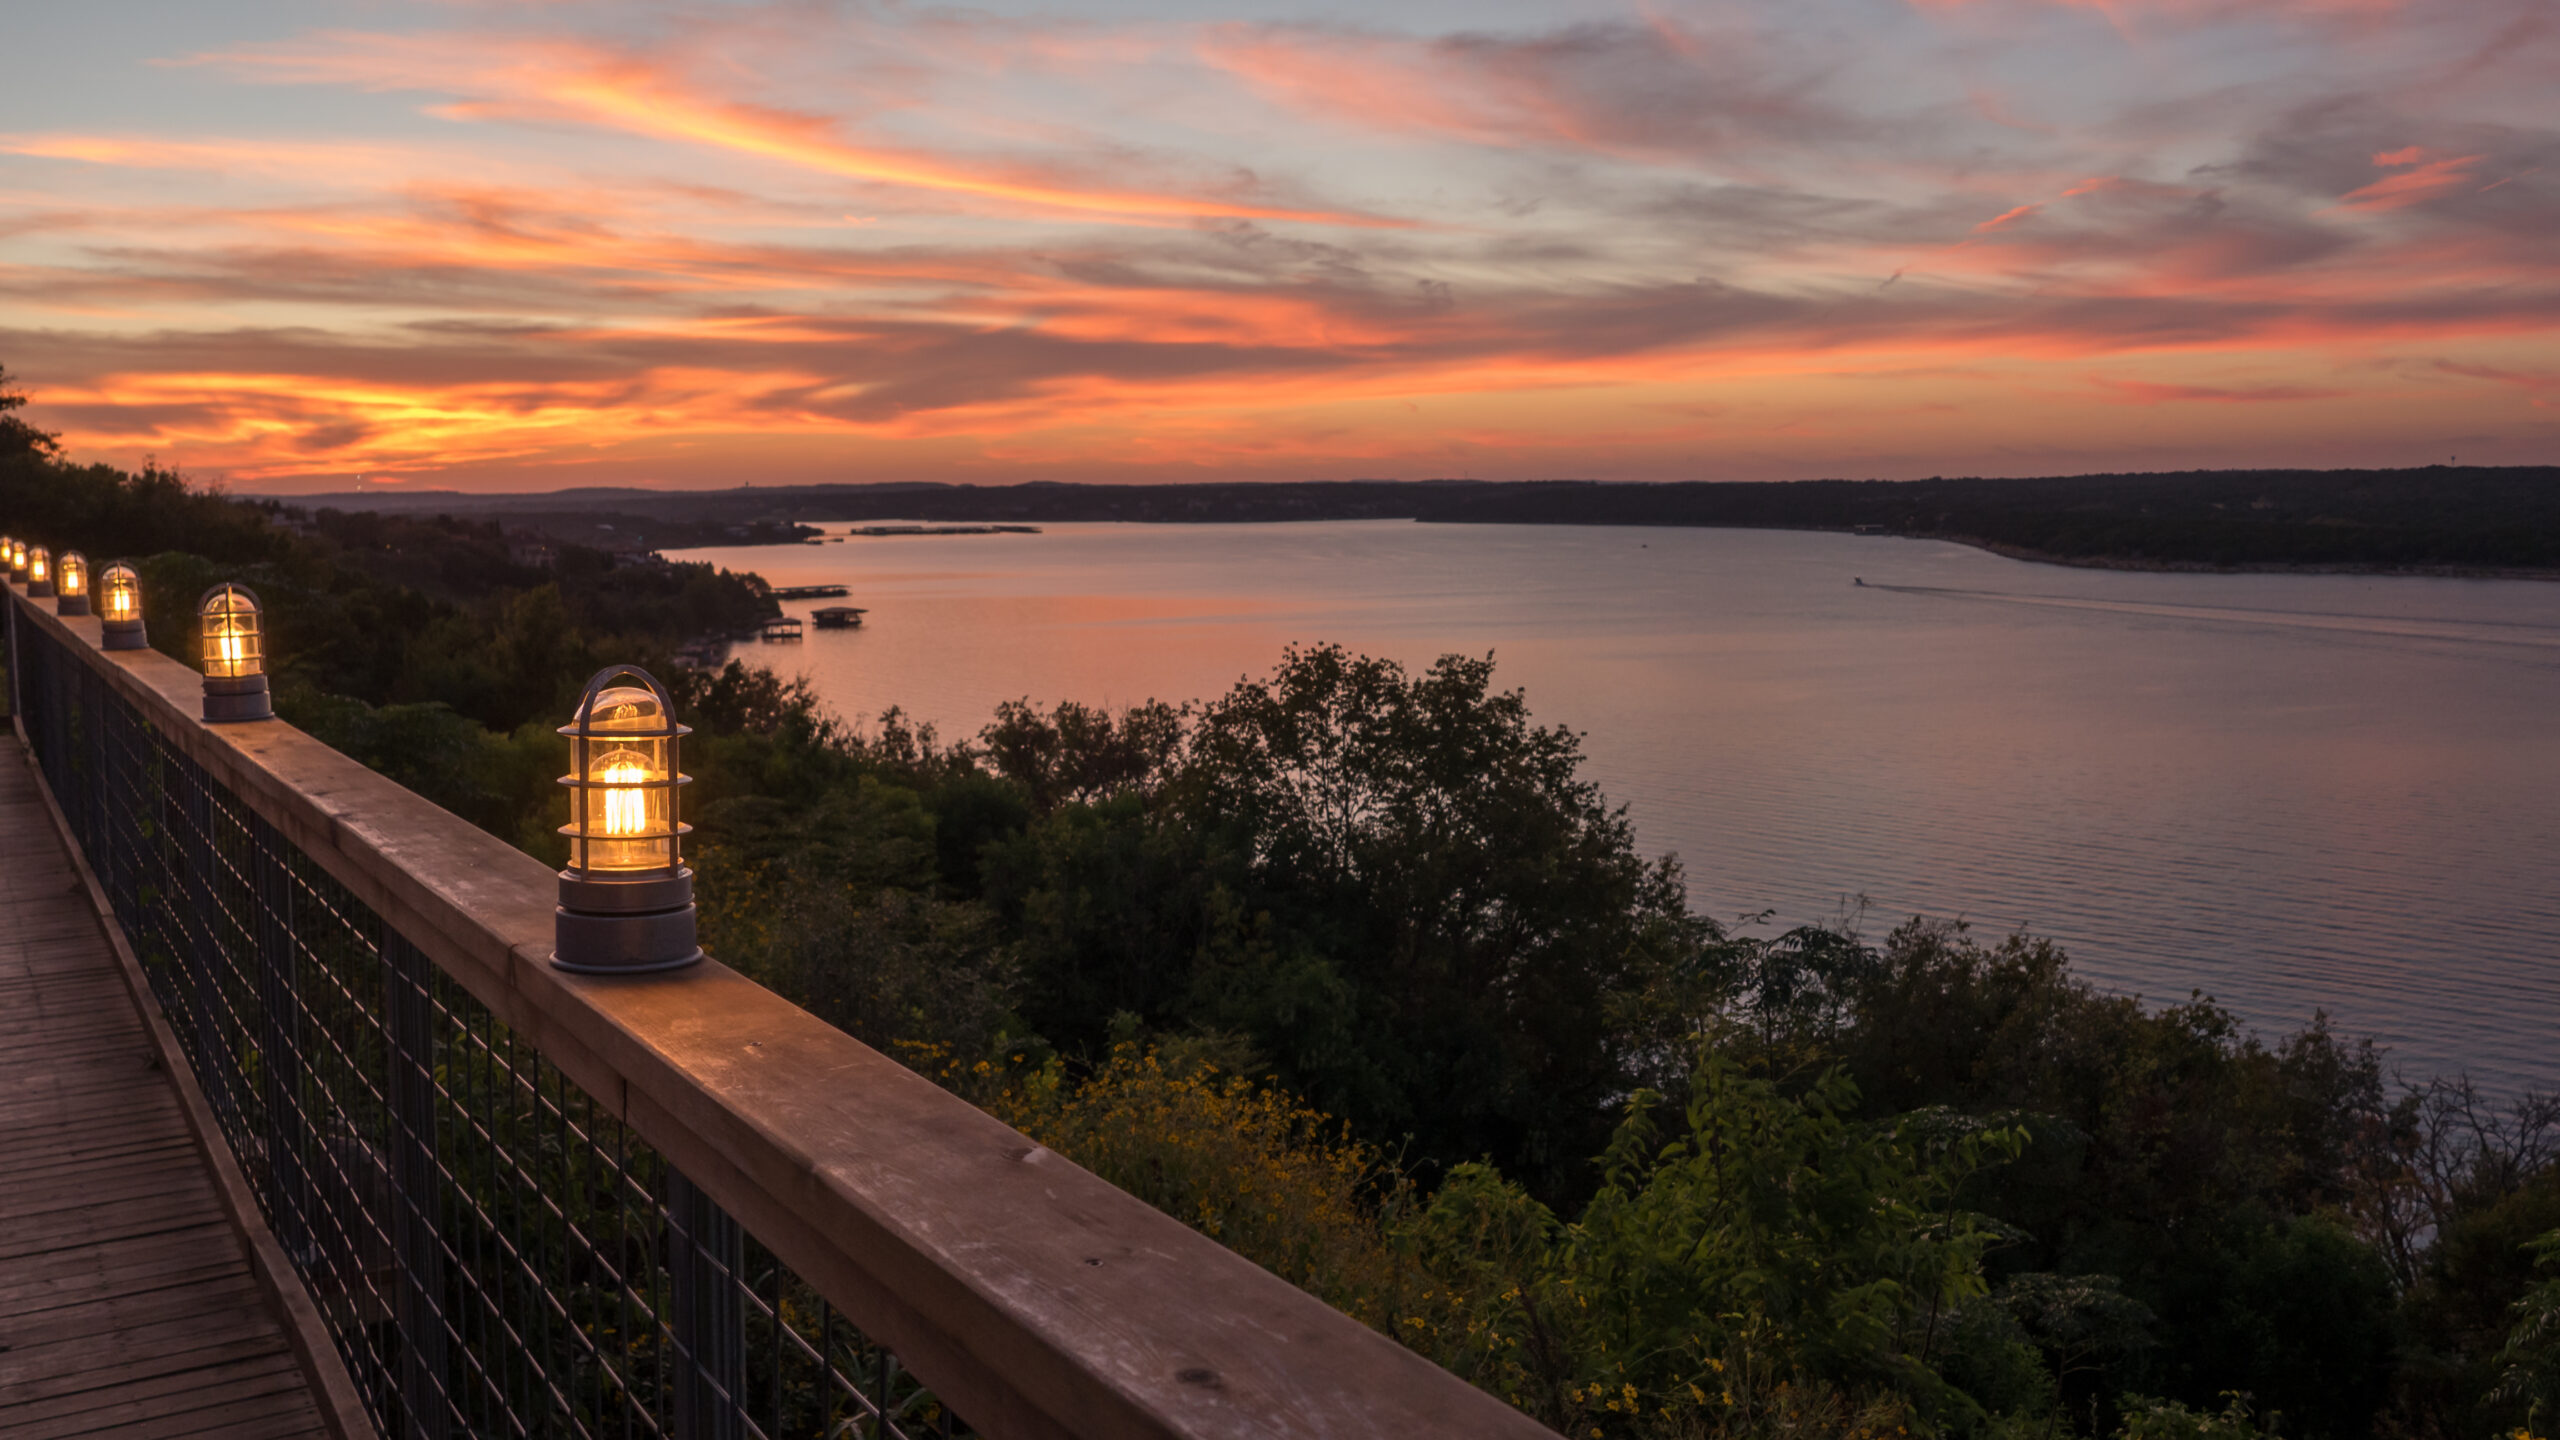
(119, 603)
(626, 806)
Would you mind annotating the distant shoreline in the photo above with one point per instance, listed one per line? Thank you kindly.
(2467, 522)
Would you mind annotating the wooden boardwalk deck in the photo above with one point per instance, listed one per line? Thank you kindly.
(127, 1306)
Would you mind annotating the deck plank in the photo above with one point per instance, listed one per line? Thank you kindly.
(127, 1303)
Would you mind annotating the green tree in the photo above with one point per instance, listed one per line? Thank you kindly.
(1765, 1245)
(2531, 1357)
(1482, 905)
(1397, 887)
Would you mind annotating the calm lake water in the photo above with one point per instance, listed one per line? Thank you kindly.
(2289, 792)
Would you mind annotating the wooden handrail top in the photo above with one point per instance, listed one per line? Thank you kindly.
(1037, 1299)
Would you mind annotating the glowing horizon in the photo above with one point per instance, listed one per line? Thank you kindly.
(476, 246)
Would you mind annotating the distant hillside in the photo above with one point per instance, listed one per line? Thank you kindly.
(2439, 518)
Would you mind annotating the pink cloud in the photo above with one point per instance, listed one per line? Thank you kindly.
(2424, 180)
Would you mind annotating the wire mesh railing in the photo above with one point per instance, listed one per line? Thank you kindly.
(492, 1252)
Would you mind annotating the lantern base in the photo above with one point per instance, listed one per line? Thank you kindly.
(624, 944)
(227, 699)
(71, 605)
(645, 892)
(122, 635)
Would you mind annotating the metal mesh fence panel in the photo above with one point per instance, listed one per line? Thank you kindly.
(493, 1253)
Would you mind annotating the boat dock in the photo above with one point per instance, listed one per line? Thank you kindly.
(839, 617)
(809, 592)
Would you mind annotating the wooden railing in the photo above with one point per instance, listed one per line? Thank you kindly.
(530, 1202)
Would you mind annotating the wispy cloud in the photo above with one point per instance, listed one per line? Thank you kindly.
(2423, 178)
(502, 77)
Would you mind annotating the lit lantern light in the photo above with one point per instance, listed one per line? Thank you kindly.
(120, 609)
(71, 584)
(40, 573)
(18, 562)
(626, 900)
(235, 657)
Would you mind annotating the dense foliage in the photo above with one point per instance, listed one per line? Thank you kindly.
(1352, 969)
(1927, 1183)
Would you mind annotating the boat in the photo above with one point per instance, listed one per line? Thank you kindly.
(838, 617)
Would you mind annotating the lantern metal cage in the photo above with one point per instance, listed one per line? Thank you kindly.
(71, 583)
(626, 900)
(119, 602)
(40, 573)
(235, 657)
(18, 561)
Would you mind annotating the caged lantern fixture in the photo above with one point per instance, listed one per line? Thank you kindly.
(71, 584)
(18, 561)
(626, 900)
(120, 609)
(39, 573)
(235, 657)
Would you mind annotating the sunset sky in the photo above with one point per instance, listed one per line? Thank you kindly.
(290, 245)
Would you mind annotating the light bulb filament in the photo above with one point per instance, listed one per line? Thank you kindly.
(626, 806)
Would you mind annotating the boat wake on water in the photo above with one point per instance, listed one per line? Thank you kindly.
(2520, 634)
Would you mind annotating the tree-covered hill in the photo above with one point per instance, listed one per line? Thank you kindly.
(2440, 517)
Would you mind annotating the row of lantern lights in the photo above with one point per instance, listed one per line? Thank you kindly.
(626, 900)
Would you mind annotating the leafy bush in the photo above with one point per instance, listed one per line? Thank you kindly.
(2531, 1358)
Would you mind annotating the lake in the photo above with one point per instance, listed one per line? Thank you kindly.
(2289, 792)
